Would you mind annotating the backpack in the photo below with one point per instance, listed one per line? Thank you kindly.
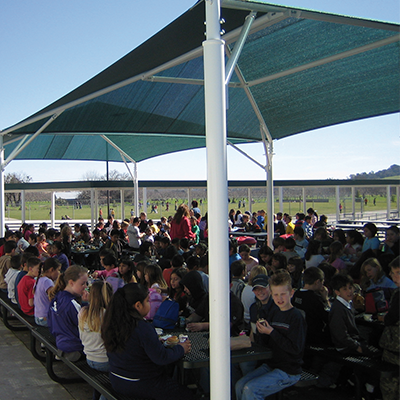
(167, 315)
(375, 301)
(155, 300)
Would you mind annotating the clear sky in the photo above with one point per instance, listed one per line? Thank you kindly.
(50, 47)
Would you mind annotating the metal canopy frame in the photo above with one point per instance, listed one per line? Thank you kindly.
(216, 81)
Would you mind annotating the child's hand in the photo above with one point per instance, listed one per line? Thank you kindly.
(324, 293)
(95, 274)
(264, 327)
(195, 327)
(85, 296)
(187, 346)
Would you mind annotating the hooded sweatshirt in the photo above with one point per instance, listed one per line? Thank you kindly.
(63, 322)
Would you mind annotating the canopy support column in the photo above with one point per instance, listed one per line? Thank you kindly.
(96, 207)
(269, 151)
(23, 211)
(281, 199)
(122, 196)
(398, 201)
(217, 194)
(189, 195)
(53, 210)
(145, 200)
(388, 202)
(249, 200)
(353, 202)
(92, 209)
(337, 191)
(303, 195)
(134, 176)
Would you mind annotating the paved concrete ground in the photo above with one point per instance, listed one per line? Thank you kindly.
(24, 377)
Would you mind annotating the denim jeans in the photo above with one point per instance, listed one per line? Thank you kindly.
(263, 382)
(99, 366)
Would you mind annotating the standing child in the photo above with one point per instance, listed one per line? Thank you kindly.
(50, 271)
(286, 330)
(64, 297)
(25, 286)
(136, 356)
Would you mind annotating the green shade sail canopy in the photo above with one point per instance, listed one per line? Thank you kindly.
(299, 70)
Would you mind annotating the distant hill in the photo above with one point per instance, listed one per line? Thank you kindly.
(392, 172)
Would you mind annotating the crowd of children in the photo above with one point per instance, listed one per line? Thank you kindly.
(298, 293)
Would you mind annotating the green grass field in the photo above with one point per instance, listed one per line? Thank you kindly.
(41, 210)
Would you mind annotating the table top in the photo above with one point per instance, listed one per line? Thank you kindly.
(199, 356)
(251, 234)
(85, 249)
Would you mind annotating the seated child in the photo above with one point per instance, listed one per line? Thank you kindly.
(390, 386)
(65, 296)
(25, 286)
(238, 271)
(342, 324)
(250, 261)
(279, 244)
(11, 275)
(5, 262)
(114, 244)
(50, 271)
(289, 252)
(199, 301)
(109, 263)
(313, 300)
(336, 251)
(286, 330)
(296, 267)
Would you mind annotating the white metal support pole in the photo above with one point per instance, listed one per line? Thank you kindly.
(217, 194)
(53, 210)
(23, 211)
(337, 189)
(281, 199)
(2, 194)
(398, 201)
(303, 195)
(136, 189)
(249, 200)
(122, 196)
(353, 202)
(145, 200)
(92, 209)
(270, 197)
(189, 196)
(96, 207)
(388, 202)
